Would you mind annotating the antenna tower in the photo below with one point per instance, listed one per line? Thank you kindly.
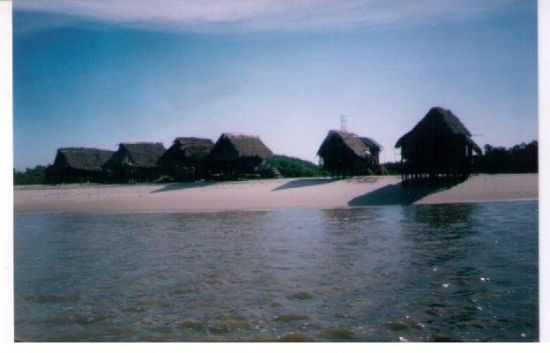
(343, 122)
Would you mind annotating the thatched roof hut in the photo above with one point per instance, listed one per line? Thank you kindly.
(189, 149)
(139, 155)
(78, 164)
(438, 123)
(81, 158)
(184, 159)
(135, 161)
(345, 153)
(438, 144)
(237, 153)
(234, 146)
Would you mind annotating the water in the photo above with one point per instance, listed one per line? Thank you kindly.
(416, 273)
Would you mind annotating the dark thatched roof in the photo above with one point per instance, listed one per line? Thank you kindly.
(142, 154)
(371, 143)
(81, 158)
(358, 145)
(437, 122)
(192, 147)
(233, 146)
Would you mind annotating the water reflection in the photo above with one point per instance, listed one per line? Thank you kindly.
(420, 273)
(442, 215)
(441, 268)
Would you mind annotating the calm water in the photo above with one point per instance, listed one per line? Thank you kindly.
(419, 273)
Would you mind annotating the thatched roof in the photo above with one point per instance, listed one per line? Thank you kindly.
(437, 122)
(192, 147)
(356, 144)
(371, 143)
(142, 154)
(233, 146)
(81, 158)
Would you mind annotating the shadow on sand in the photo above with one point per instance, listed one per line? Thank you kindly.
(183, 186)
(362, 179)
(300, 183)
(397, 194)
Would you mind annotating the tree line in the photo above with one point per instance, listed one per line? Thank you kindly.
(522, 158)
(31, 176)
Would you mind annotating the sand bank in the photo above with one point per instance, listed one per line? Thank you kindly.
(270, 194)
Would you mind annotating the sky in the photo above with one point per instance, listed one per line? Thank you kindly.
(95, 73)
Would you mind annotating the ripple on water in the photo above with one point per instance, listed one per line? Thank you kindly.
(329, 275)
(295, 337)
(301, 296)
(192, 325)
(291, 317)
(337, 334)
(54, 298)
(228, 325)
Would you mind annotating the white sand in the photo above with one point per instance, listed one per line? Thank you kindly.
(269, 194)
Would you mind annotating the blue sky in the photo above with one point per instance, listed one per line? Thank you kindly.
(96, 73)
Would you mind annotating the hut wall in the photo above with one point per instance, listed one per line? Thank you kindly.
(132, 174)
(225, 159)
(176, 164)
(114, 168)
(442, 155)
(248, 164)
(181, 171)
(120, 170)
(61, 172)
(231, 168)
(60, 175)
(142, 174)
(339, 160)
(223, 151)
(346, 165)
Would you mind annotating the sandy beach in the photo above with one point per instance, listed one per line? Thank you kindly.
(270, 194)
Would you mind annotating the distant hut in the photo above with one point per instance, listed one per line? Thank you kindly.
(237, 154)
(343, 153)
(184, 160)
(438, 146)
(78, 165)
(135, 162)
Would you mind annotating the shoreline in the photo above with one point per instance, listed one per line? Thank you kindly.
(240, 210)
(268, 194)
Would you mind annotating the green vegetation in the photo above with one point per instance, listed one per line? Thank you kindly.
(31, 176)
(522, 158)
(291, 167)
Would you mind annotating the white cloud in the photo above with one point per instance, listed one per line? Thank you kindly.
(259, 15)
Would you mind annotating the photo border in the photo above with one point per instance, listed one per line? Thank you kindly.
(6, 221)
